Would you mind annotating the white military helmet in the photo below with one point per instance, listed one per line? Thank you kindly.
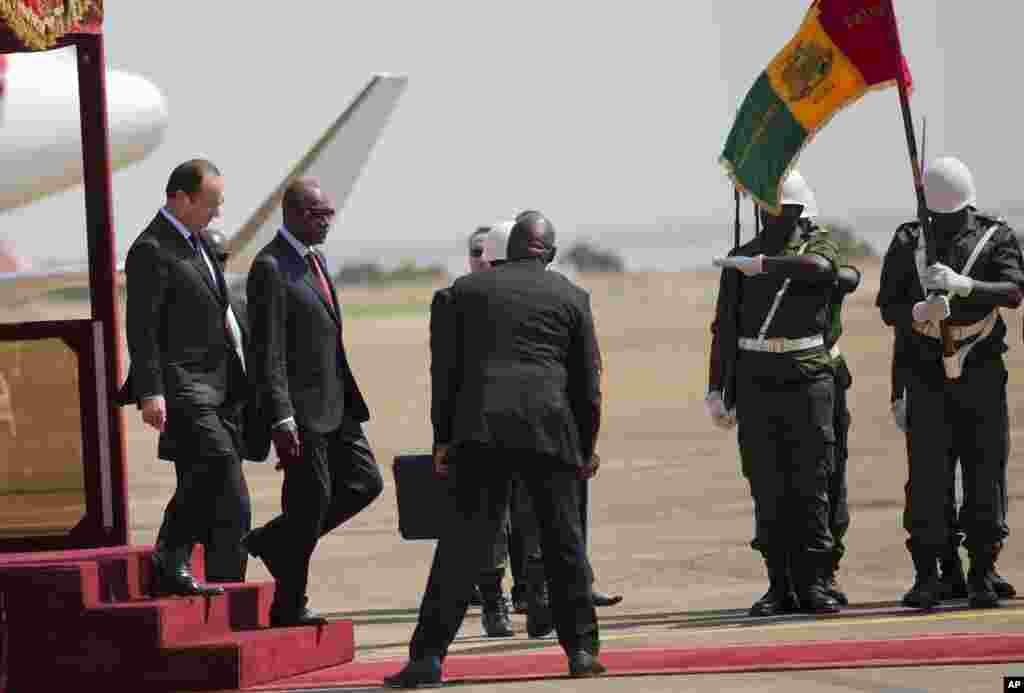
(496, 241)
(795, 191)
(948, 185)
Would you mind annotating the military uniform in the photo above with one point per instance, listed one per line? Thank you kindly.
(839, 509)
(966, 417)
(783, 389)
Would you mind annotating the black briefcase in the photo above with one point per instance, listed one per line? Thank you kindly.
(424, 500)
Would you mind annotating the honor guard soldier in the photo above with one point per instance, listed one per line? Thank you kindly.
(775, 375)
(955, 402)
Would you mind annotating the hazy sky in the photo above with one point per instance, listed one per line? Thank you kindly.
(597, 113)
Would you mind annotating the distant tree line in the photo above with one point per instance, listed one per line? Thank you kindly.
(850, 245)
(586, 257)
(372, 273)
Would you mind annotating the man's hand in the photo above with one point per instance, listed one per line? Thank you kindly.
(589, 468)
(441, 461)
(154, 412)
(720, 416)
(934, 309)
(939, 277)
(287, 445)
(899, 414)
(750, 266)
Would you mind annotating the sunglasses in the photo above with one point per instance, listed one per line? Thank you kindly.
(320, 212)
(476, 252)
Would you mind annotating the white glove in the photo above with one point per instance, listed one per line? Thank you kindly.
(744, 263)
(939, 277)
(934, 309)
(720, 416)
(899, 414)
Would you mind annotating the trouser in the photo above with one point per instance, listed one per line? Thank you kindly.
(524, 523)
(967, 419)
(211, 500)
(839, 509)
(482, 489)
(787, 449)
(336, 478)
(225, 558)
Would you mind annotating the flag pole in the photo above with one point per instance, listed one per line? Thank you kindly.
(948, 347)
(736, 220)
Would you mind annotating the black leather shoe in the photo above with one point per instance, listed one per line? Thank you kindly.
(177, 581)
(775, 602)
(418, 673)
(304, 616)
(1003, 588)
(582, 664)
(604, 599)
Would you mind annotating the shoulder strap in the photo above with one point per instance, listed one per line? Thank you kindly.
(778, 300)
(978, 248)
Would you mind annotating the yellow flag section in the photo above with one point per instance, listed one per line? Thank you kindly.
(813, 77)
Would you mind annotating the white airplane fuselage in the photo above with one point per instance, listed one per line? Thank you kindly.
(40, 130)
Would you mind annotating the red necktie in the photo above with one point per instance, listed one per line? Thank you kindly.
(325, 288)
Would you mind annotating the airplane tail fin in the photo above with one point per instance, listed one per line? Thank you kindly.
(337, 157)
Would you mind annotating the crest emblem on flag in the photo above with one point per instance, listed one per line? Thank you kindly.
(808, 66)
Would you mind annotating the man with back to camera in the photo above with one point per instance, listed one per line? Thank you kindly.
(521, 397)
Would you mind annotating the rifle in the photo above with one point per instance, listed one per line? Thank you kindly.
(948, 346)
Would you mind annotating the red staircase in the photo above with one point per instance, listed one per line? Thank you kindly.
(83, 618)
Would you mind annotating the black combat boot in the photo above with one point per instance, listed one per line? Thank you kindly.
(927, 589)
(780, 598)
(810, 572)
(1003, 588)
(981, 593)
(494, 615)
(952, 583)
(832, 586)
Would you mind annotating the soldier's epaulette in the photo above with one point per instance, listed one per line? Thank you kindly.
(987, 219)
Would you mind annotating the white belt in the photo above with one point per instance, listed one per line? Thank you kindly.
(957, 332)
(780, 345)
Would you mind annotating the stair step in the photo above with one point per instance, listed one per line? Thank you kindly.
(153, 623)
(124, 572)
(232, 661)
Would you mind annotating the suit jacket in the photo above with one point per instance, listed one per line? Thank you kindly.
(233, 414)
(515, 363)
(177, 336)
(297, 361)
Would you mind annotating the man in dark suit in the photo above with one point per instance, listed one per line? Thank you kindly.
(187, 366)
(305, 399)
(226, 559)
(515, 392)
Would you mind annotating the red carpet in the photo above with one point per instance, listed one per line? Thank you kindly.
(930, 650)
